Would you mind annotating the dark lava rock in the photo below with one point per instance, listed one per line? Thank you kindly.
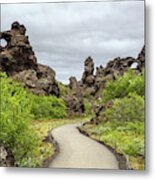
(118, 67)
(141, 57)
(18, 60)
(73, 83)
(6, 157)
(88, 77)
(74, 103)
(93, 84)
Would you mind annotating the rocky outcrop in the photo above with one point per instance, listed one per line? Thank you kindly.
(141, 57)
(117, 67)
(6, 157)
(74, 103)
(17, 55)
(42, 81)
(74, 98)
(73, 83)
(81, 88)
(18, 60)
(88, 77)
(92, 84)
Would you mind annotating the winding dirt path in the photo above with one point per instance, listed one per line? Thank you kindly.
(79, 151)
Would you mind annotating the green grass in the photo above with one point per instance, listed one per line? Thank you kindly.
(127, 139)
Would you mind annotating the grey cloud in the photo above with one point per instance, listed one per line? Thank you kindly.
(63, 35)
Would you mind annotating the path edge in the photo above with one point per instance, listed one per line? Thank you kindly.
(122, 163)
(52, 141)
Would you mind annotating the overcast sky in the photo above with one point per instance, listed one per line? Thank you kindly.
(63, 35)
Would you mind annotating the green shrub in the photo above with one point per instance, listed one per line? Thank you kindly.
(130, 82)
(129, 109)
(64, 89)
(87, 107)
(15, 118)
(46, 107)
(18, 108)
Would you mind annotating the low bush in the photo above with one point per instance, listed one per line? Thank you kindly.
(64, 89)
(47, 107)
(129, 109)
(130, 82)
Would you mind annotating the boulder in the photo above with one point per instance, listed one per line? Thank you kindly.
(6, 157)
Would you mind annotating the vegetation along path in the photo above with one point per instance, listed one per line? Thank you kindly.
(79, 151)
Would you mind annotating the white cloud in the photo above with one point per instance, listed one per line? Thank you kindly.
(63, 34)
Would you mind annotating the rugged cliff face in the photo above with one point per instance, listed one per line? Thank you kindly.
(18, 60)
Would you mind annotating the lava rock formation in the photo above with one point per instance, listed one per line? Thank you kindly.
(18, 60)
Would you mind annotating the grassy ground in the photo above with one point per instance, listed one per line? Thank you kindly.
(45, 149)
(127, 139)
